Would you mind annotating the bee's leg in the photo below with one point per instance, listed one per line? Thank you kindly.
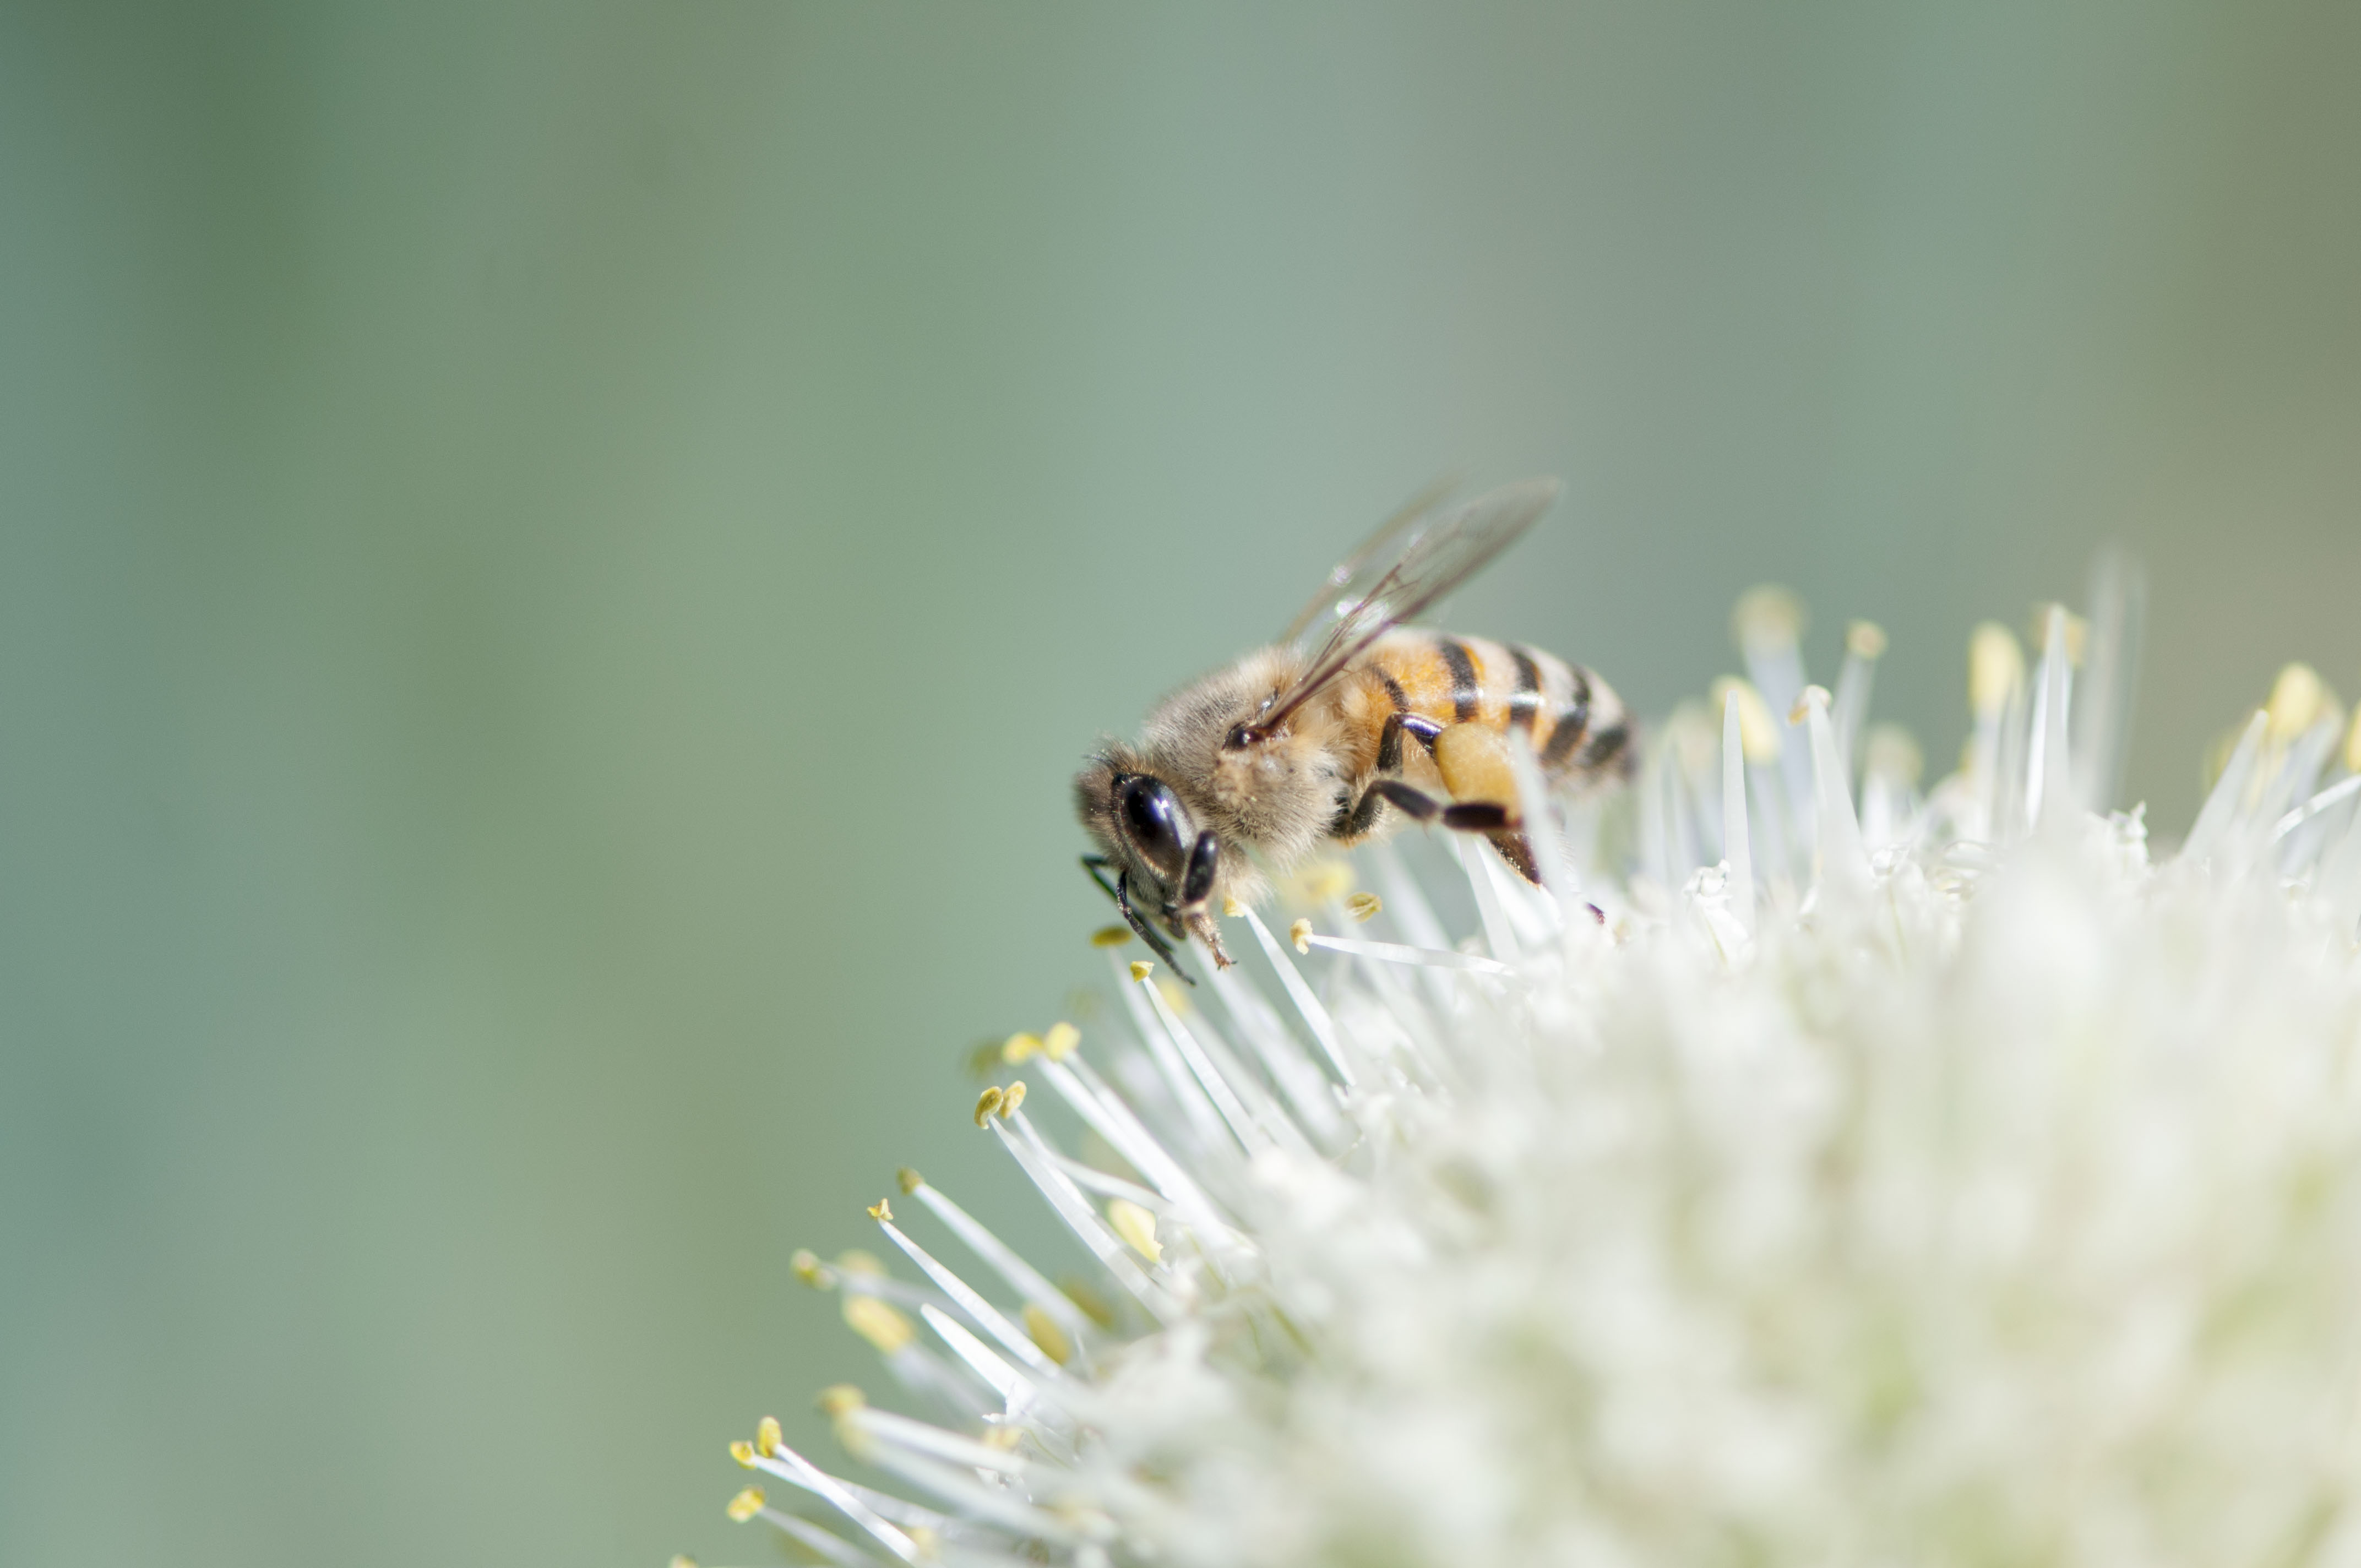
(1120, 890)
(1488, 817)
(1096, 865)
(1390, 746)
(1411, 801)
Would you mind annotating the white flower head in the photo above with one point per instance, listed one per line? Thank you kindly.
(1933, 1179)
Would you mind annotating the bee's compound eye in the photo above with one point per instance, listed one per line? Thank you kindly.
(1153, 823)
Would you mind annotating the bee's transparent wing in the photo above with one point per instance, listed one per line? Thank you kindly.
(1350, 580)
(1435, 556)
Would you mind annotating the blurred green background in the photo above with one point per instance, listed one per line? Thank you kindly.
(554, 561)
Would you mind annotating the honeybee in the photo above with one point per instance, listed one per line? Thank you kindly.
(1349, 725)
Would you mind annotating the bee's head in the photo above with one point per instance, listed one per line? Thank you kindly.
(1165, 864)
(1140, 825)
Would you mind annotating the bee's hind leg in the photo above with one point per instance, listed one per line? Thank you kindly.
(1486, 816)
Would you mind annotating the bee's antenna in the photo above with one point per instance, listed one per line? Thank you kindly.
(1120, 890)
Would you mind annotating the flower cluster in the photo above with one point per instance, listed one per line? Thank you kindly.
(1812, 1169)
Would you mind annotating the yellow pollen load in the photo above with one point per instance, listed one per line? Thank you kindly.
(878, 1324)
(1013, 1099)
(1475, 765)
(745, 1505)
(1137, 1226)
(986, 1104)
(806, 1265)
(1110, 935)
(1300, 935)
(1141, 968)
(1995, 669)
(1233, 908)
(908, 1181)
(768, 1438)
(1865, 640)
(1758, 737)
(2298, 698)
(882, 1209)
(743, 1453)
(1047, 1336)
(838, 1398)
(1060, 1041)
(1363, 906)
(1767, 616)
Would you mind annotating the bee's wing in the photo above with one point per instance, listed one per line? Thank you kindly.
(1434, 557)
(1350, 580)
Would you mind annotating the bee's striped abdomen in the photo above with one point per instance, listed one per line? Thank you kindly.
(1576, 723)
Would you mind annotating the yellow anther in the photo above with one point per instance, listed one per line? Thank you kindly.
(745, 1505)
(926, 1541)
(768, 1438)
(1060, 1041)
(1110, 935)
(1012, 1100)
(908, 1181)
(854, 1261)
(1046, 1335)
(1362, 905)
(1865, 640)
(1004, 1438)
(1325, 881)
(838, 1398)
(1995, 669)
(2353, 746)
(1141, 968)
(1175, 994)
(743, 1453)
(853, 1435)
(2078, 632)
(806, 1265)
(1767, 618)
(882, 1209)
(2299, 698)
(1094, 1307)
(682, 1560)
(1803, 709)
(987, 1103)
(1891, 753)
(1233, 908)
(1300, 934)
(1137, 1226)
(1758, 736)
(1020, 1047)
(878, 1324)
